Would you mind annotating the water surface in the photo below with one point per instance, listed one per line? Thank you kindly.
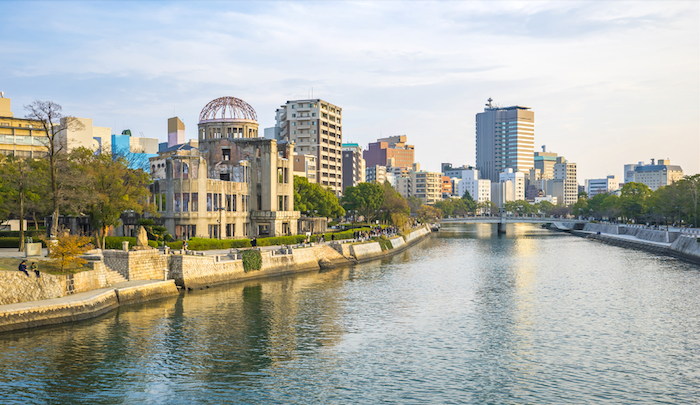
(465, 317)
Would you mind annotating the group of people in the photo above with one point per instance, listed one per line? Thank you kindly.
(377, 231)
(33, 267)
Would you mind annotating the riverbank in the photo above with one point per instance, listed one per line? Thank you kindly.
(128, 277)
(81, 306)
(685, 246)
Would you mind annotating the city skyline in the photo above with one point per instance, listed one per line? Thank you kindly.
(607, 87)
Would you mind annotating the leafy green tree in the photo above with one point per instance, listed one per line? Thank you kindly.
(520, 207)
(467, 196)
(428, 214)
(111, 188)
(315, 200)
(414, 203)
(580, 207)
(633, 200)
(690, 186)
(610, 206)
(395, 208)
(544, 207)
(365, 198)
(487, 207)
(595, 202)
(583, 194)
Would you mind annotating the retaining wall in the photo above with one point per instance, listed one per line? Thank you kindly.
(366, 250)
(398, 242)
(136, 264)
(17, 287)
(25, 315)
(146, 292)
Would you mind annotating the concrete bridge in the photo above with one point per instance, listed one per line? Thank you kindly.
(559, 223)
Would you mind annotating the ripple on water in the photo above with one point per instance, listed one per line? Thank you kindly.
(466, 317)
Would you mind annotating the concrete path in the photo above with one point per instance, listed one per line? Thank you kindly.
(629, 238)
(73, 298)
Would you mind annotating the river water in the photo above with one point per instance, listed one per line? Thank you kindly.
(467, 316)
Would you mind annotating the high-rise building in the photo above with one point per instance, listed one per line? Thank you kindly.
(505, 138)
(392, 151)
(594, 187)
(315, 126)
(353, 165)
(425, 185)
(510, 187)
(628, 176)
(566, 171)
(658, 175)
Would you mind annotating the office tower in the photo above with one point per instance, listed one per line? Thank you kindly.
(315, 127)
(21, 137)
(505, 138)
(353, 165)
(510, 187)
(544, 162)
(391, 151)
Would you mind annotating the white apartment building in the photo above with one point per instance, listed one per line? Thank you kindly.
(510, 187)
(479, 189)
(305, 166)
(315, 126)
(598, 186)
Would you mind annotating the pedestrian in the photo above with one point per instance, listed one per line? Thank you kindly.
(184, 246)
(332, 236)
(254, 242)
(23, 267)
(34, 268)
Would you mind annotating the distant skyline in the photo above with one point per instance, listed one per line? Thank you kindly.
(610, 83)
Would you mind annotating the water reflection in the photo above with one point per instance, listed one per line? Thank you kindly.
(469, 316)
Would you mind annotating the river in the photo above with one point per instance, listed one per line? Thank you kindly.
(468, 316)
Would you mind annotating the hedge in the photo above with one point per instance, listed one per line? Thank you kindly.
(28, 233)
(384, 243)
(115, 242)
(8, 242)
(209, 244)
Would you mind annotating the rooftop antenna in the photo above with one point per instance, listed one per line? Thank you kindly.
(2, 94)
(489, 105)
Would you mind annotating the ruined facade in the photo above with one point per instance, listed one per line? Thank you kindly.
(235, 185)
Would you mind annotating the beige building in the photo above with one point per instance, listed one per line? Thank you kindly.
(658, 175)
(83, 134)
(235, 186)
(315, 126)
(422, 184)
(375, 174)
(544, 162)
(305, 166)
(20, 136)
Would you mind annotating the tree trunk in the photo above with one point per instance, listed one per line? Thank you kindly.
(54, 190)
(21, 218)
(36, 224)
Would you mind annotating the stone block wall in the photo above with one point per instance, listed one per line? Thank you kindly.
(417, 234)
(17, 287)
(136, 264)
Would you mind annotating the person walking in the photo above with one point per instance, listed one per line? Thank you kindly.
(23, 267)
(184, 246)
(35, 269)
(254, 242)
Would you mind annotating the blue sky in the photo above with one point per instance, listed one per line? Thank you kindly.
(610, 82)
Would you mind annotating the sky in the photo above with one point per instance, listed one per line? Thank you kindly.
(610, 83)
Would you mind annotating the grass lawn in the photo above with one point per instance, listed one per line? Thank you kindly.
(45, 265)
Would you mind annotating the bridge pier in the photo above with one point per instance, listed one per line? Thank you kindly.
(502, 225)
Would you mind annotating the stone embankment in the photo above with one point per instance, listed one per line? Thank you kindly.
(80, 306)
(129, 277)
(682, 245)
(195, 272)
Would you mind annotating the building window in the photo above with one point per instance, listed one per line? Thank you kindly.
(195, 202)
(259, 202)
(280, 203)
(263, 229)
(209, 202)
(185, 202)
(226, 154)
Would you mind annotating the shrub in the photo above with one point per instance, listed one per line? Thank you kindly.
(384, 243)
(9, 242)
(67, 250)
(278, 240)
(29, 233)
(209, 244)
(252, 260)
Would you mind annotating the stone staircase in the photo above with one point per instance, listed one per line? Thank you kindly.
(113, 277)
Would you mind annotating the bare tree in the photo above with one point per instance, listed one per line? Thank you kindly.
(53, 122)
